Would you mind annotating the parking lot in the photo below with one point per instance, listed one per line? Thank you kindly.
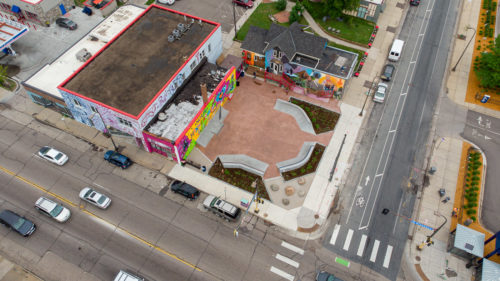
(214, 10)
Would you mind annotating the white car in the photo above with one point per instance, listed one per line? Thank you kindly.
(380, 93)
(52, 209)
(95, 198)
(167, 2)
(53, 155)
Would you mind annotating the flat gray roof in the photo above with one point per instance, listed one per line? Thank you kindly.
(129, 71)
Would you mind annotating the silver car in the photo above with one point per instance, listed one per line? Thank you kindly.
(95, 198)
(52, 209)
(53, 155)
(379, 95)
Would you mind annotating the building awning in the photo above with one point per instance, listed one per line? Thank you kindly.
(15, 9)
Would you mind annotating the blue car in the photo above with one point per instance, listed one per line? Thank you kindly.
(118, 159)
(17, 223)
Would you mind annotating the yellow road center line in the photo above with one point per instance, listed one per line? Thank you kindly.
(136, 237)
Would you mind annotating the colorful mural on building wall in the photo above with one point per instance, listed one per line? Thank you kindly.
(187, 140)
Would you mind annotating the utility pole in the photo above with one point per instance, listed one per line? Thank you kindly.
(368, 94)
(429, 241)
(468, 27)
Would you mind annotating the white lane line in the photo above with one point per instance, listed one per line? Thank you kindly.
(347, 241)
(392, 131)
(378, 175)
(403, 94)
(362, 244)
(292, 247)
(287, 260)
(282, 273)
(387, 257)
(373, 256)
(335, 234)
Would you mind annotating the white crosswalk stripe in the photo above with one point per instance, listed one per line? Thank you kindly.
(347, 241)
(292, 247)
(335, 234)
(362, 244)
(287, 260)
(387, 257)
(374, 251)
(282, 273)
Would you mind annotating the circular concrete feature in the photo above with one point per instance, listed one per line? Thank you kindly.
(301, 193)
(285, 201)
(301, 181)
(289, 190)
(275, 187)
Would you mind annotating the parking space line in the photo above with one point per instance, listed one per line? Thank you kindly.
(347, 241)
(282, 273)
(287, 260)
(335, 234)
(292, 247)
(374, 251)
(362, 244)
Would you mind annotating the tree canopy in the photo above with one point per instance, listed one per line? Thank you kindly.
(335, 7)
(488, 68)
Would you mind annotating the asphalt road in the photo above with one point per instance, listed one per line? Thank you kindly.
(484, 131)
(389, 164)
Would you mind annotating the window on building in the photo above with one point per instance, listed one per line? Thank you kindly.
(5, 7)
(124, 122)
(203, 53)
(41, 100)
(209, 47)
(362, 12)
(275, 53)
(76, 102)
(193, 65)
(93, 109)
(31, 15)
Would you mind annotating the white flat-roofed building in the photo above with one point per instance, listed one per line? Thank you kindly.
(42, 86)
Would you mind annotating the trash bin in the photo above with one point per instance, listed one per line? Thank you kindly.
(87, 11)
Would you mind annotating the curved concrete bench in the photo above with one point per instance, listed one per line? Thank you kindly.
(296, 112)
(299, 161)
(244, 162)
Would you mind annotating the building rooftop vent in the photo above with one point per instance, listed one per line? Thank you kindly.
(171, 38)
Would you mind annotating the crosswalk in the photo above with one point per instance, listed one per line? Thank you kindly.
(287, 261)
(362, 247)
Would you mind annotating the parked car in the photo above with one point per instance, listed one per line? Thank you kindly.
(325, 276)
(244, 3)
(388, 72)
(185, 189)
(221, 208)
(18, 223)
(53, 155)
(414, 2)
(95, 198)
(52, 209)
(126, 276)
(379, 95)
(118, 159)
(66, 23)
(167, 2)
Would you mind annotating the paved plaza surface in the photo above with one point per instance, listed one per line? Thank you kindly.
(254, 128)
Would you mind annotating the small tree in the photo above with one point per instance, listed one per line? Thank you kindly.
(281, 5)
(3, 74)
(488, 70)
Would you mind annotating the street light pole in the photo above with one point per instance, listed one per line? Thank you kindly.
(107, 131)
(367, 95)
(468, 27)
(234, 18)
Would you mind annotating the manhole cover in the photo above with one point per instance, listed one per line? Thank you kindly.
(417, 258)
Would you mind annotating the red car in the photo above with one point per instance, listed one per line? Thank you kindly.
(245, 3)
(414, 2)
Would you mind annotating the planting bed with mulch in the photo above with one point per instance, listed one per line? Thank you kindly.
(239, 178)
(322, 119)
(309, 167)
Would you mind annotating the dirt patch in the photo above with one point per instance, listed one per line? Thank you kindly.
(309, 167)
(322, 119)
(239, 178)
(282, 17)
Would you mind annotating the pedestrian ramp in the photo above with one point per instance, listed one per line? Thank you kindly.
(361, 245)
(286, 266)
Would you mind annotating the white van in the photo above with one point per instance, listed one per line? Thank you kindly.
(396, 50)
(125, 276)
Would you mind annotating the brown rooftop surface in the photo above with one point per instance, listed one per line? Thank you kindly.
(134, 67)
(253, 127)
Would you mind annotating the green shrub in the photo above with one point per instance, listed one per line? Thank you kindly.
(473, 218)
(281, 5)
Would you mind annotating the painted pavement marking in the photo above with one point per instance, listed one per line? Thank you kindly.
(287, 260)
(374, 251)
(335, 234)
(387, 257)
(292, 247)
(347, 242)
(282, 273)
(362, 244)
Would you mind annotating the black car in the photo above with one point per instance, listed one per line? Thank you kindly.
(185, 189)
(387, 72)
(118, 159)
(325, 276)
(414, 2)
(66, 23)
(19, 224)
